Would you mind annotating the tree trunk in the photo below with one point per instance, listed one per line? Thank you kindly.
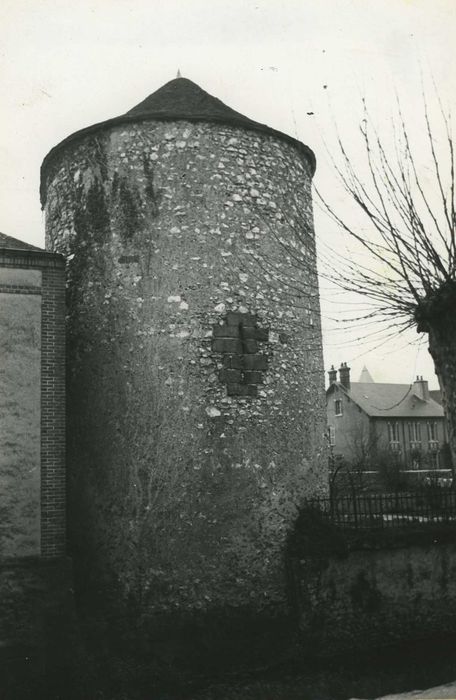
(442, 346)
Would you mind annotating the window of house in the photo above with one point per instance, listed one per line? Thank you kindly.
(393, 432)
(332, 435)
(432, 431)
(393, 436)
(338, 407)
(433, 443)
(414, 429)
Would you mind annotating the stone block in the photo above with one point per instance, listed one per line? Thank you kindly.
(233, 362)
(255, 362)
(252, 377)
(242, 390)
(249, 346)
(230, 376)
(228, 345)
(255, 333)
(226, 331)
(234, 318)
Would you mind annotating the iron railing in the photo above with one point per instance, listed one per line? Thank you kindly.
(368, 511)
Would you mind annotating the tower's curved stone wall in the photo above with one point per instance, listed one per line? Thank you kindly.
(196, 400)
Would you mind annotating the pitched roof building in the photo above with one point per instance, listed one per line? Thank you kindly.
(367, 416)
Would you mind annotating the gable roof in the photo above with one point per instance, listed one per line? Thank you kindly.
(15, 244)
(391, 400)
(178, 99)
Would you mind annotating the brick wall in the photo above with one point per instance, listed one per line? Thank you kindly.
(25, 275)
(53, 412)
(238, 340)
(35, 577)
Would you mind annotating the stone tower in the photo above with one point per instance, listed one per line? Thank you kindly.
(195, 390)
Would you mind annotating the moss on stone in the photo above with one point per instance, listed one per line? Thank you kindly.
(151, 193)
(96, 209)
(128, 208)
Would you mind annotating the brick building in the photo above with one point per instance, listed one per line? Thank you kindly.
(34, 573)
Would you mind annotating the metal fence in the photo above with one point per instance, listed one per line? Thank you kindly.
(368, 511)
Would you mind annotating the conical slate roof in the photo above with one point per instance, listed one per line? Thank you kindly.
(183, 99)
(178, 99)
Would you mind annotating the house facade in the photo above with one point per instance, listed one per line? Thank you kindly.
(367, 418)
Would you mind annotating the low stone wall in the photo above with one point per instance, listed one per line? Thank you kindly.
(367, 598)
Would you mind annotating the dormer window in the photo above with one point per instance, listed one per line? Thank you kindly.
(338, 407)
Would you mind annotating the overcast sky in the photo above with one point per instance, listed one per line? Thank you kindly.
(301, 66)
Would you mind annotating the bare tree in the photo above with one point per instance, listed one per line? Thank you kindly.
(409, 277)
(362, 443)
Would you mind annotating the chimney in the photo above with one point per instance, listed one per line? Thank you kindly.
(332, 375)
(344, 375)
(421, 389)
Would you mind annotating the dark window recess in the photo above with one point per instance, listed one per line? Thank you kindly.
(237, 340)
